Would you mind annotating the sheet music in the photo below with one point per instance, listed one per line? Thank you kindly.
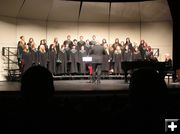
(87, 59)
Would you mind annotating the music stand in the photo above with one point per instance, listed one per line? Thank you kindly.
(87, 59)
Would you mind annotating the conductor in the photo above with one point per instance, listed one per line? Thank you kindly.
(97, 53)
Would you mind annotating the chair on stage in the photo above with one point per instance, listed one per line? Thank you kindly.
(88, 61)
(90, 73)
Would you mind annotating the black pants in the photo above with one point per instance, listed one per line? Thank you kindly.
(96, 68)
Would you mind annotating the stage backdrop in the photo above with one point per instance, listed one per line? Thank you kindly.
(156, 34)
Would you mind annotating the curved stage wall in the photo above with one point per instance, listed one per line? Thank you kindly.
(156, 34)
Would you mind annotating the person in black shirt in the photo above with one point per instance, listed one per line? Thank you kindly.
(142, 49)
(52, 58)
(27, 58)
(42, 56)
(106, 60)
(87, 47)
(116, 43)
(117, 59)
(20, 48)
(97, 53)
(31, 41)
(136, 56)
(68, 42)
(81, 42)
(74, 60)
(62, 67)
(43, 42)
(34, 54)
(56, 43)
(75, 43)
(129, 44)
(103, 42)
(93, 41)
(82, 53)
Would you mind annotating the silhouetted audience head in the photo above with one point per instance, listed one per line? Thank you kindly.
(37, 83)
(147, 84)
(148, 92)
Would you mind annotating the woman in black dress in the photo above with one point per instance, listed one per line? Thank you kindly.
(127, 53)
(31, 41)
(117, 59)
(34, 54)
(74, 60)
(137, 54)
(27, 58)
(80, 43)
(62, 65)
(103, 42)
(43, 42)
(142, 49)
(52, 58)
(87, 47)
(116, 43)
(42, 56)
(106, 60)
(82, 53)
(20, 49)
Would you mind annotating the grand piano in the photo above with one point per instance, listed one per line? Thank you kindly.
(133, 65)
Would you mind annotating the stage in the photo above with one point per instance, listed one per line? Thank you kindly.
(83, 85)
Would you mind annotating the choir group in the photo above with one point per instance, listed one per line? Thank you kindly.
(67, 58)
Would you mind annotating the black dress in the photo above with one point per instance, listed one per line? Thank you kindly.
(42, 58)
(82, 53)
(27, 58)
(45, 45)
(57, 47)
(87, 47)
(127, 55)
(52, 60)
(69, 42)
(30, 45)
(106, 62)
(62, 67)
(117, 59)
(137, 56)
(92, 43)
(74, 60)
(34, 54)
(115, 45)
(97, 53)
(111, 51)
(68, 58)
(142, 51)
(80, 44)
(20, 48)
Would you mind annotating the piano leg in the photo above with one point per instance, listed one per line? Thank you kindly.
(125, 76)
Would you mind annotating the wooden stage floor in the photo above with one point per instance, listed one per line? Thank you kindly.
(81, 85)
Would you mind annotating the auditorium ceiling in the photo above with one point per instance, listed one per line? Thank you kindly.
(87, 10)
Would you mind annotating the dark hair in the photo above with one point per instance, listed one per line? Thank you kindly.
(147, 101)
(74, 40)
(36, 82)
(147, 83)
(21, 37)
(146, 77)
